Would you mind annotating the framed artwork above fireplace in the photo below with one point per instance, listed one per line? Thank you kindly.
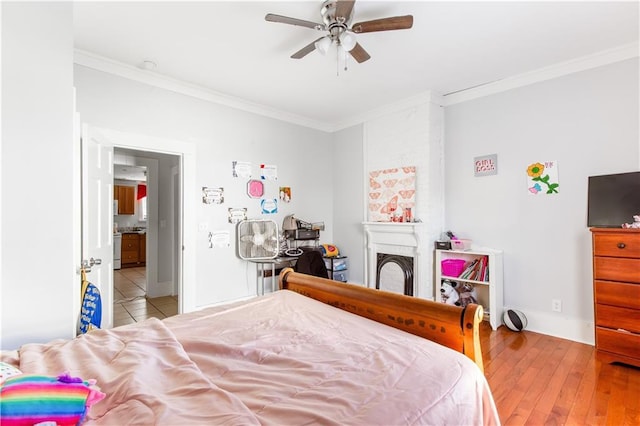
(392, 194)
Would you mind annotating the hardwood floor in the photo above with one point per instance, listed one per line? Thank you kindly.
(543, 380)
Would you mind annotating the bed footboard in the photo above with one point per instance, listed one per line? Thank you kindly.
(448, 325)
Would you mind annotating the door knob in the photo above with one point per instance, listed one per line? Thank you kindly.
(87, 264)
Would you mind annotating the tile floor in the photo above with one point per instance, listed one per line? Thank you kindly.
(130, 304)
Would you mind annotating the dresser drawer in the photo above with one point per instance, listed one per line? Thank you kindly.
(617, 244)
(618, 294)
(618, 342)
(615, 269)
(616, 317)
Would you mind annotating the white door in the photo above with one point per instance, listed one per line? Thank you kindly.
(97, 216)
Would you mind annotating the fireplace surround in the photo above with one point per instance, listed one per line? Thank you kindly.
(395, 273)
(399, 240)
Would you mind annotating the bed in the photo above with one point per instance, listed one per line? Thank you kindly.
(315, 352)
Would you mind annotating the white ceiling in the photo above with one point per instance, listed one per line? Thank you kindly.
(126, 172)
(227, 47)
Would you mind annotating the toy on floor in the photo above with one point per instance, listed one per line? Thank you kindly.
(514, 320)
(635, 224)
(448, 292)
(468, 294)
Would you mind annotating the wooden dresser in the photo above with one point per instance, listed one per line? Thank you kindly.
(616, 294)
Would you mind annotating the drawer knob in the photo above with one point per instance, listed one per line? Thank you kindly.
(621, 245)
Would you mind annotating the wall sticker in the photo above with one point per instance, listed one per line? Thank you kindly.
(542, 178)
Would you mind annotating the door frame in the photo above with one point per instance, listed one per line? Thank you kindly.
(186, 223)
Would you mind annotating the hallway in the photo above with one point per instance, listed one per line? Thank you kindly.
(130, 304)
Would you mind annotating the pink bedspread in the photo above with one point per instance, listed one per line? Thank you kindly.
(145, 373)
(292, 360)
(281, 359)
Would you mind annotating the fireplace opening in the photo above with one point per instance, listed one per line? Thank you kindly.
(394, 273)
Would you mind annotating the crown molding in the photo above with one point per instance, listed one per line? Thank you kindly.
(606, 57)
(101, 63)
(151, 78)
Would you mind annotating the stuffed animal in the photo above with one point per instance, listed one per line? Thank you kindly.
(635, 224)
(448, 292)
(468, 294)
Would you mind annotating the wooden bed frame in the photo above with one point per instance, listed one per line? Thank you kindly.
(451, 326)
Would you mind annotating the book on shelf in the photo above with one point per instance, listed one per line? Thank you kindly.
(477, 270)
(467, 271)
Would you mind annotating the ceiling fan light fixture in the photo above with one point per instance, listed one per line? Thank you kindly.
(348, 41)
(337, 16)
(323, 45)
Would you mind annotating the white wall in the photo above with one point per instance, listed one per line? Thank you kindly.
(38, 277)
(348, 199)
(221, 135)
(588, 123)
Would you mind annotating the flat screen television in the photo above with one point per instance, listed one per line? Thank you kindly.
(613, 199)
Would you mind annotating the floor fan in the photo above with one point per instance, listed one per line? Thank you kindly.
(257, 239)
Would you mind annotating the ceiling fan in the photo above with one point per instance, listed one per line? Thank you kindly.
(336, 17)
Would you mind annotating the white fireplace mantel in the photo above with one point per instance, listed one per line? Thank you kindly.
(401, 238)
(393, 233)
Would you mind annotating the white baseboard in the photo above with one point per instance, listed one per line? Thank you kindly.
(559, 325)
(160, 289)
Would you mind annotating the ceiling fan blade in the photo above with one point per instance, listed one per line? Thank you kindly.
(293, 21)
(306, 50)
(384, 24)
(359, 54)
(344, 9)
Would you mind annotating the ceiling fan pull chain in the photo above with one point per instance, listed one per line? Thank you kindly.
(346, 59)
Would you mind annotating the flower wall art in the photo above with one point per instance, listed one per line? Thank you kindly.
(542, 178)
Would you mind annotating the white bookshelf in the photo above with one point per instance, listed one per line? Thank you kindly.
(490, 294)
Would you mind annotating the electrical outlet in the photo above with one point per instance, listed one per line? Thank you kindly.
(556, 305)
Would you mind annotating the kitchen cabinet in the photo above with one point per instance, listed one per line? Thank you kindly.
(130, 249)
(143, 248)
(134, 249)
(126, 197)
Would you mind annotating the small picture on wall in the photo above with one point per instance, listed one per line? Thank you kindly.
(268, 172)
(212, 195)
(237, 214)
(542, 178)
(285, 194)
(241, 169)
(269, 205)
(487, 165)
(255, 188)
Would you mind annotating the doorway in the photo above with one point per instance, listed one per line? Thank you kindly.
(144, 285)
(97, 216)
